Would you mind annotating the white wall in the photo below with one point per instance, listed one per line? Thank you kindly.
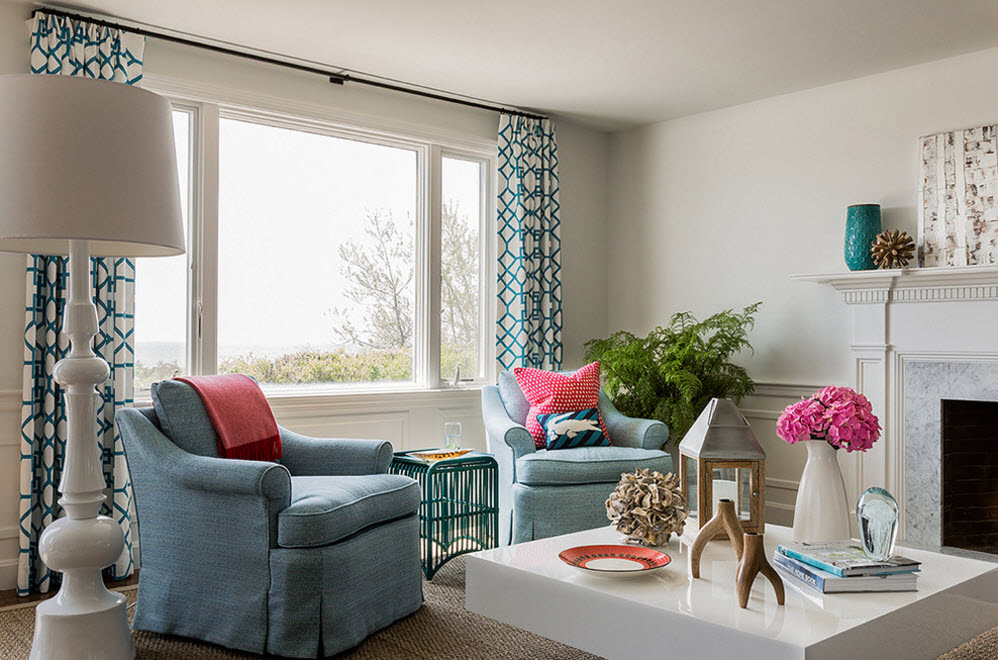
(716, 210)
(583, 169)
(408, 421)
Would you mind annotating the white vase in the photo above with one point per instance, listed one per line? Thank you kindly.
(821, 513)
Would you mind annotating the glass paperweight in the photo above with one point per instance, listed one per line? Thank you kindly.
(877, 520)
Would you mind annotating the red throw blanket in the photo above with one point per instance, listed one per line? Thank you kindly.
(242, 417)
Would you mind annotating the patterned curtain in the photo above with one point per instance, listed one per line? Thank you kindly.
(72, 48)
(528, 318)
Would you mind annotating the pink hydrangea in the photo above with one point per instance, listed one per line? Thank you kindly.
(839, 415)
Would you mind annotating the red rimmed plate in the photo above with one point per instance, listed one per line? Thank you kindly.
(615, 560)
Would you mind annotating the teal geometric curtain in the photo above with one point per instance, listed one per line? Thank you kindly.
(73, 48)
(528, 317)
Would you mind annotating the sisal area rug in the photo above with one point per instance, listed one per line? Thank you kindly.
(441, 630)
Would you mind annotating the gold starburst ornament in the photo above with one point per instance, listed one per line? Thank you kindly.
(892, 249)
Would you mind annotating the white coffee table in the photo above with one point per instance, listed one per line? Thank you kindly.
(671, 615)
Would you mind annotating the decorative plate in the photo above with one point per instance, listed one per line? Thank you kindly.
(620, 561)
(439, 454)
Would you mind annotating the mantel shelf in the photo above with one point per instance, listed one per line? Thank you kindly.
(911, 284)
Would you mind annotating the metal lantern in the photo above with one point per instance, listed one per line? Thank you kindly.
(720, 458)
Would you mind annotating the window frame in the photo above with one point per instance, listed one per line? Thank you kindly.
(208, 107)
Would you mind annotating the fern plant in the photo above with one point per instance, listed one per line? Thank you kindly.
(673, 373)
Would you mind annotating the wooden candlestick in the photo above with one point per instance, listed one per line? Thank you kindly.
(753, 562)
(725, 521)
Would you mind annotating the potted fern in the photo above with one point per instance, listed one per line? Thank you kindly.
(671, 374)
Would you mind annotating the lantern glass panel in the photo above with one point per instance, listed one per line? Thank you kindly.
(691, 485)
(734, 484)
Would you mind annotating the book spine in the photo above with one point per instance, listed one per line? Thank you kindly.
(800, 572)
(810, 561)
(880, 572)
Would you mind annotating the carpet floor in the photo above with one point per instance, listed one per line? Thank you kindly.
(441, 630)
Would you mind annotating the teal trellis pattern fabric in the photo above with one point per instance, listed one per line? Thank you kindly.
(66, 47)
(528, 317)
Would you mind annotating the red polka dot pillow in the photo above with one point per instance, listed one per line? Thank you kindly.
(550, 392)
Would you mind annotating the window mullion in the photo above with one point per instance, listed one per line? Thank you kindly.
(194, 246)
(428, 275)
(487, 273)
(205, 327)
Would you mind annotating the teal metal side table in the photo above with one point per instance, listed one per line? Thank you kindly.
(460, 508)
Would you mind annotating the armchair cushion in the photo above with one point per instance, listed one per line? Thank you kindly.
(587, 465)
(241, 415)
(512, 397)
(325, 510)
(183, 418)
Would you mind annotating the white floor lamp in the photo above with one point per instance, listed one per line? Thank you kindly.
(87, 168)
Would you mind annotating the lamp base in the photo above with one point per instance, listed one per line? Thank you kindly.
(84, 621)
(66, 631)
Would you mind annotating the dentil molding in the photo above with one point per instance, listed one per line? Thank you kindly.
(911, 284)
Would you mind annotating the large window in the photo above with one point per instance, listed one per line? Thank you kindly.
(316, 239)
(161, 286)
(322, 258)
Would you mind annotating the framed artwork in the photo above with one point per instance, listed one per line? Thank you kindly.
(958, 214)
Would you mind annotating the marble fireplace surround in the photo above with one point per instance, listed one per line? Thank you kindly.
(926, 384)
(919, 335)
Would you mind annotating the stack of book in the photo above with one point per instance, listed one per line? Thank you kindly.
(842, 567)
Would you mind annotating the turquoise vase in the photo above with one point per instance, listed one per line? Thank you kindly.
(862, 226)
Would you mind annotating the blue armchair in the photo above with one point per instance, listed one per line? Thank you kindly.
(299, 558)
(546, 493)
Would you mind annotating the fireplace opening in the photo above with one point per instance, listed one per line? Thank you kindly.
(970, 475)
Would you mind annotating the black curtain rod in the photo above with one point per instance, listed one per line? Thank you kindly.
(335, 77)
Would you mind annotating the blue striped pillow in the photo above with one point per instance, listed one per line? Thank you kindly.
(573, 429)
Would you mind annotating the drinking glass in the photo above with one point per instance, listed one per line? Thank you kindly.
(452, 431)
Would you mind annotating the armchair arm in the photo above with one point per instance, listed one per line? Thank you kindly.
(207, 474)
(305, 456)
(508, 441)
(185, 501)
(502, 431)
(631, 431)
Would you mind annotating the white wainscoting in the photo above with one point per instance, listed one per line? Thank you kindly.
(409, 420)
(10, 458)
(784, 463)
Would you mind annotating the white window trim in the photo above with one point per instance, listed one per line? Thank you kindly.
(210, 104)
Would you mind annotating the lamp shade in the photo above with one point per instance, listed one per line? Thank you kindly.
(84, 159)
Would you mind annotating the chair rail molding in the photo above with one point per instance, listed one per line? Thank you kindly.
(762, 408)
(933, 314)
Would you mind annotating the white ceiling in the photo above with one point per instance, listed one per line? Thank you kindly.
(610, 64)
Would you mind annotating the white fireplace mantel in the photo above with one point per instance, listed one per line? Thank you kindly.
(911, 284)
(892, 325)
